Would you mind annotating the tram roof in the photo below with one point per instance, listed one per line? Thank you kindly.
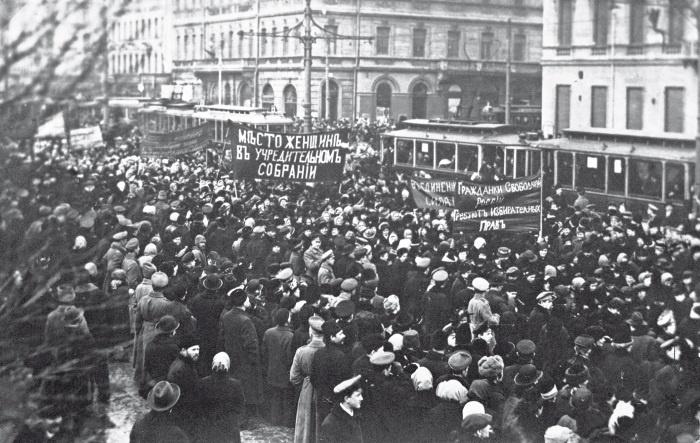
(458, 125)
(233, 109)
(657, 151)
(261, 118)
(457, 137)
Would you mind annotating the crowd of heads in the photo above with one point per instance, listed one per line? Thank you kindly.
(597, 316)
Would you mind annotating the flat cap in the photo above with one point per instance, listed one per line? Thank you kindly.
(459, 361)
(345, 308)
(480, 284)
(349, 284)
(525, 347)
(439, 275)
(382, 358)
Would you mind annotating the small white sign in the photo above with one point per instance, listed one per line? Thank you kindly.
(617, 166)
(425, 147)
(592, 162)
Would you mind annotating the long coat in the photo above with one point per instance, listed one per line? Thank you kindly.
(150, 309)
(277, 354)
(237, 337)
(160, 354)
(299, 374)
(222, 404)
(206, 308)
(340, 427)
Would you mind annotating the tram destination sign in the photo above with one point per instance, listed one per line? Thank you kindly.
(174, 143)
(511, 205)
(314, 157)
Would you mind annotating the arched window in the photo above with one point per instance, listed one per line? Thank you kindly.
(333, 107)
(290, 101)
(454, 101)
(420, 101)
(227, 93)
(384, 95)
(245, 96)
(268, 97)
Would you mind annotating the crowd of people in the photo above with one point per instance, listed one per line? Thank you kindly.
(346, 312)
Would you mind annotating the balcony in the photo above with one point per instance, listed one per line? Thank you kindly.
(599, 50)
(563, 51)
(635, 49)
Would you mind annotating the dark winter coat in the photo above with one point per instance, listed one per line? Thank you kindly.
(183, 373)
(277, 355)
(340, 427)
(329, 367)
(157, 427)
(222, 404)
(238, 338)
(160, 354)
(206, 308)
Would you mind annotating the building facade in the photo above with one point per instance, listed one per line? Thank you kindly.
(140, 54)
(412, 58)
(625, 67)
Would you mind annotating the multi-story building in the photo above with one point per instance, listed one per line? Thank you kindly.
(624, 67)
(139, 59)
(413, 58)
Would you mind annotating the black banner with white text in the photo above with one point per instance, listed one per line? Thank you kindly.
(315, 157)
(512, 205)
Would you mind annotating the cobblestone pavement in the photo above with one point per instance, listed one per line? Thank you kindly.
(126, 406)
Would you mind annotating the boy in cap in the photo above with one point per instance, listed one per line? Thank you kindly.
(342, 425)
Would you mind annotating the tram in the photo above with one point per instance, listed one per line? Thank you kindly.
(174, 116)
(449, 148)
(614, 168)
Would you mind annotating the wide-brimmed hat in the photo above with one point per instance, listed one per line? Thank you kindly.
(65, 293)
(163, 396)
(212, 282)
(527, 375)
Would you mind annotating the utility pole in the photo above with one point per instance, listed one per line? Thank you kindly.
(307, 67)
(509, 41)
(328, 83)
(256, 74)
(696, 206)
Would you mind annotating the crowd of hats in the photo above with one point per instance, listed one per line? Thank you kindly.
(587, 263)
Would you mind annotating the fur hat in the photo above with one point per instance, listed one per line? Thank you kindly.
(490, 366)
(159, 280)
(422, 379)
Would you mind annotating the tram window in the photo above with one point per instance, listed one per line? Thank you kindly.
(404, 151)
(521, 163)
(534, 162)
(675, 181)
(510, 159)
(645, 178)
(565, 169)
(468, 158)
(616, 175)
(276, 128)
(446, 156)
(424, 153)
(591, 172)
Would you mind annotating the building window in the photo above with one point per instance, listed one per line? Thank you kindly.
(384, 96)
(245, 96)
(419, 42)
(241, 36)
(453, 44)
(673, 109)
(268, 98)
(230, 44)
(178, 47)
(601, 22)
(383, 40)
(635, 108)
(332, 115)
(486, 45)
(290, 101)
(676, 22)
(637, 18)
(519, 47)
(222, 44)
(563, 108)
(566, 14)
(332, 41)
(273, 33)
(251, 41)
(599, 105)
(263, 42)
(185, 46)
(419, 105)
(285, 43)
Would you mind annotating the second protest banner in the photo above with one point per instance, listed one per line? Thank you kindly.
(512, 205)
(174, 143)
(312, 157)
